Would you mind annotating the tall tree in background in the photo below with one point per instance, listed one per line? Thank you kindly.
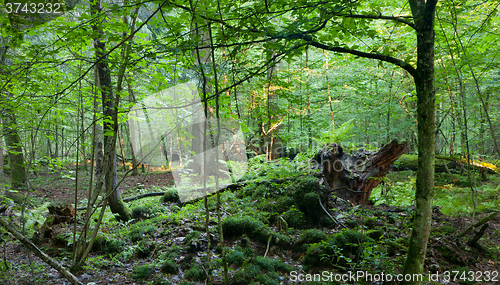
(9, 128)
(12, 34)
(15, 151)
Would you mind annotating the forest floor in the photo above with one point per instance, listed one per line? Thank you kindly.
(60, 185)
(166, 242)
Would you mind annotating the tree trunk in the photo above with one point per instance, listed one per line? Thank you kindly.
(131, 135)
(1, 157)
(274, 142)
(110, 128)
(15, 152)
(423, 13)
(82, 127)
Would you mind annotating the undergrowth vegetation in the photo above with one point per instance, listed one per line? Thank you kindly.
(453, 197)
(273, 226)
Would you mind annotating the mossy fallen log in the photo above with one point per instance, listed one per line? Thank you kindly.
(476, 164)
(454, 163)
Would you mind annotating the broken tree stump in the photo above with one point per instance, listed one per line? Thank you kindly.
(353, 176)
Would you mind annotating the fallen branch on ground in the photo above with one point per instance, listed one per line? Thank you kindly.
(480, 223)
(47, 259)
(231, 187)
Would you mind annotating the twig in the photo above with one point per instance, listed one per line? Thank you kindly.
(321, 204)
(268, 242)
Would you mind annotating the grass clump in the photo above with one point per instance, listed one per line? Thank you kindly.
(236, 257)
(272, 265)
(142, 272)
(336, 250)
(261, 270)
(169, 266)
(195, 273)
(311, 236)
(237, 226)
(108, 246)
(246, 274)
(170, 196)
(307, 199)
(141, 229)
(295, 218)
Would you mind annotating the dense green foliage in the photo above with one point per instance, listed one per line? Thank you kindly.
(294, 75)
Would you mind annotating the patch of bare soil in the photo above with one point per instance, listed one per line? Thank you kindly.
(146, 181)
(60, 186)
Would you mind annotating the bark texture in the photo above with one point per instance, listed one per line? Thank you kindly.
(423, 14)
(110, 129)
(353, 177)
(15, 152)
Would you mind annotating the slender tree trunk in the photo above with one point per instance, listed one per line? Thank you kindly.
(131, 135)
(309, 131)
(109, 109)
(217, 116)
(274, 142)
(388, 118)
(56, 138)
(423, 13)
(82, 137)
(1, 157)
(328, 88)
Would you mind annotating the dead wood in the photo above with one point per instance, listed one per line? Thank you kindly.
(480, 223)
(47, 259)
(353, 176)
(477, 236)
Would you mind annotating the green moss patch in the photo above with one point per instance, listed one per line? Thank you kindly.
(336, 250)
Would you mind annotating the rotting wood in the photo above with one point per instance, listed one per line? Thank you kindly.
(353, 177)
(491, 168)
(477, 236)
(47, 259)
(410, 161)
(480, 223)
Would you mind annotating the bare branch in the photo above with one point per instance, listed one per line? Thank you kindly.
(386, 58)
(381, 17)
